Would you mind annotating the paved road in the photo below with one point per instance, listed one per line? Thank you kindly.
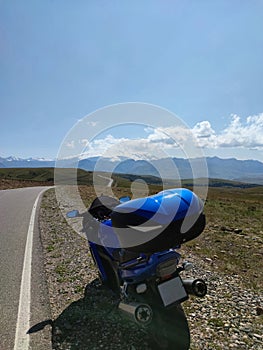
(16, 217)
(107, 178)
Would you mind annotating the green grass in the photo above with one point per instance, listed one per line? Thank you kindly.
(216, 322)
(32, 174)
(46, 175)
(226, 209)
(66, 175)
(240, 253)
(230, 205)
(50, 248)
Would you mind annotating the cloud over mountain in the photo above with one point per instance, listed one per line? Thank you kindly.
(161, 142)
(237, 134)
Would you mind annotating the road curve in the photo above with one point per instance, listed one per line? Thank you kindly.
(16, 216)
(107, 178)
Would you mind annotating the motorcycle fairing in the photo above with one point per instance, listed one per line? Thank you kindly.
(158, 222)
(163, 208)
(147, 269)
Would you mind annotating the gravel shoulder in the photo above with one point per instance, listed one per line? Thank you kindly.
(84, 313)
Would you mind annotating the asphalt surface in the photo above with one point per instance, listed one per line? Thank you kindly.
(15, 212)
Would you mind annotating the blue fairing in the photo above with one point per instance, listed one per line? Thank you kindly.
(138, 273)
(96, 256)
(148, 269)
(107, 235)
(165, 206)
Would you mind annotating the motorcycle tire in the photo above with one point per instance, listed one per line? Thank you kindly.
(112, 281)
(169, 330)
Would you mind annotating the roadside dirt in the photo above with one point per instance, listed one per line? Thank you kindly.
(84, 313)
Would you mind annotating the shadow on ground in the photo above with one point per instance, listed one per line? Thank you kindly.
(94, 322)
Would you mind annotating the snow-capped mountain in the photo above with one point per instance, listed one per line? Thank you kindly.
(16, 162)
(230, 169)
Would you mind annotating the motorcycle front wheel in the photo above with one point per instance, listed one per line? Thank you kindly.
(169, 330)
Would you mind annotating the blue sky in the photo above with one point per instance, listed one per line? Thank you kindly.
(61, 60)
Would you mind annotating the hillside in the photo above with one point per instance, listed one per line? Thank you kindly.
(230, 169)
(32, 174)
(23, 177)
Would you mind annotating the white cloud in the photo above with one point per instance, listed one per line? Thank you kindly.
(238, 134)
(92, 123)
(151, 147)
(159, 136)
(203, 130)
(84, 142)
(139, 149)
(162, 142)
(248, 134)
(205, 134)
(71, 144)
(99, 147)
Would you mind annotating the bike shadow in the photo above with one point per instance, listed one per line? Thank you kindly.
(94, 322)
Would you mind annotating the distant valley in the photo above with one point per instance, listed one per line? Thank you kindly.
(249, 171)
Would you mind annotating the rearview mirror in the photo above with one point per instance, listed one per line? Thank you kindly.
(73, 214)
(125, 199)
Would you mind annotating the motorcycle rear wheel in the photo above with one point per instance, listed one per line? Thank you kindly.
(169, 330)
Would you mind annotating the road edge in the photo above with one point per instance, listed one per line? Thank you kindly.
(33, 269)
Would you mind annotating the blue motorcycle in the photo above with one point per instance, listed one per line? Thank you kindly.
(137, 258)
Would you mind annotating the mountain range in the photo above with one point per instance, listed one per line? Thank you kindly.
(250, 171)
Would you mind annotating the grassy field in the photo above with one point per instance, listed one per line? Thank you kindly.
(30, 174)
(233, 237)
(120, 180)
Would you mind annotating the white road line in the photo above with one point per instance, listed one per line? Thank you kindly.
(23, 317)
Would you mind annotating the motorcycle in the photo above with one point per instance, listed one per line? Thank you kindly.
(136, 253)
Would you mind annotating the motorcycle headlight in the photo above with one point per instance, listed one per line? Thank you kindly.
(166, 268)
